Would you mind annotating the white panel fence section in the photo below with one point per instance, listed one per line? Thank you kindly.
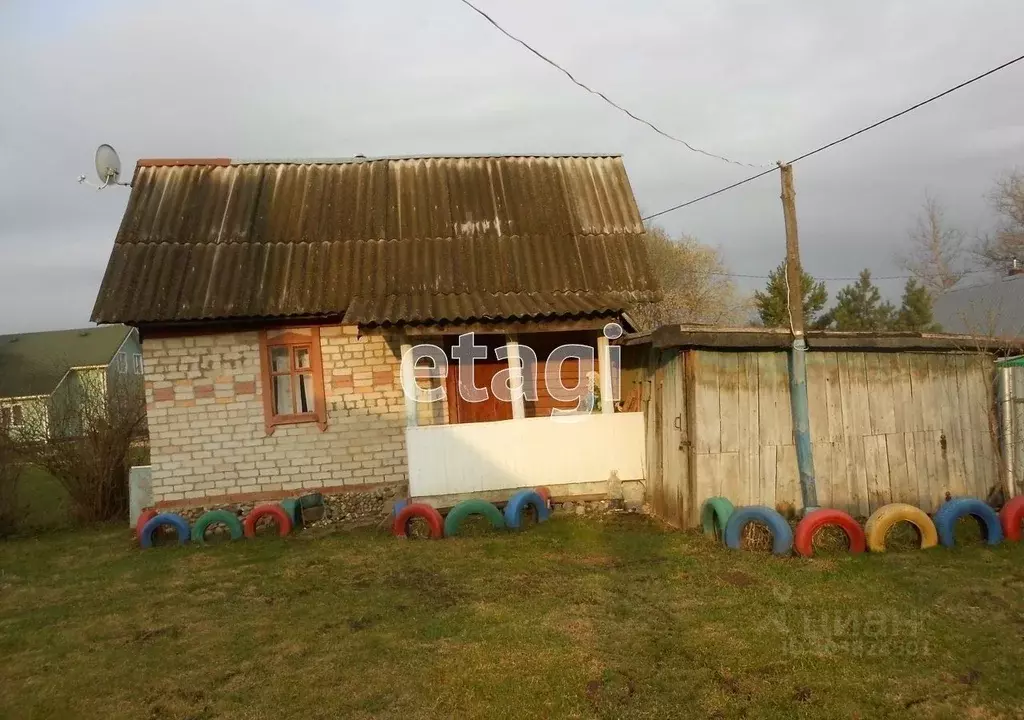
(475, 457)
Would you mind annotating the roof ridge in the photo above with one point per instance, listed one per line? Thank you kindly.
(225, 161)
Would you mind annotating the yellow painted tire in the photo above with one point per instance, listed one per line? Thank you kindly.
(882, 520)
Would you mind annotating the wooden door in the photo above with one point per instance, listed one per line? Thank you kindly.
(675, 442)
(490, 409)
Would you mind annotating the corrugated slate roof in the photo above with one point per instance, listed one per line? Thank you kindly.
(381, 240)
(995, 309)
(33, 363)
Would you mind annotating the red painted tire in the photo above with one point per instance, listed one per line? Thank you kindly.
(803, 539)
(545, 494)
(400, 527)
(144, 517)
(1011, 516)
(284, 523)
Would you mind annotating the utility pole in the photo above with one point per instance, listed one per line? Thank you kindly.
(798, 354)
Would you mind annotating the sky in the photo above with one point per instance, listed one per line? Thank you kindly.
(751, 80)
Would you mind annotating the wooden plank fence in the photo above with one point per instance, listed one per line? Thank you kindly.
(885, 427)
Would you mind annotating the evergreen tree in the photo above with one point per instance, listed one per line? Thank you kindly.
(916, 309)
(773, 303)
(859, 306)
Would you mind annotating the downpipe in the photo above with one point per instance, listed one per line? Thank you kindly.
(802, 423)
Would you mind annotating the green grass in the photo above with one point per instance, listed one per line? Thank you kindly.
(43, 499)
(571, 618)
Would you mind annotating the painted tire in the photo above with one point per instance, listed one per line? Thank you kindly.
(216, 516)
(519, 502)
(952, 510)
(311, 500)
(1011, 516)
(803, 539)
(294, 510)
(397, 507)
(714, 514)
(400, 527)
(144, 517)
(472, 507)
(284, 523)
(176, 521)
(545, 494)
(782, 534)
(882, 520)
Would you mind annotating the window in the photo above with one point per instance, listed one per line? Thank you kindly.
(137, 363)
(293, 378)
(11, 416)
(122, 362)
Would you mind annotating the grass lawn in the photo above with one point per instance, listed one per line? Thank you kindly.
(573, 618)
(43, 499)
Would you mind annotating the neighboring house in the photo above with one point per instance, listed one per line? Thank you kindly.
(993, 309)
(275, 301)
(41, 371)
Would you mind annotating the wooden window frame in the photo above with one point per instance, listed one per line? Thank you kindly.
(292, 339)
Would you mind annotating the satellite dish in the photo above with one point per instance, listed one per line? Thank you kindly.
(108, 165)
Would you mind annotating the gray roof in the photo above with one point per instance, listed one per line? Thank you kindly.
(34, 363)
(377, 241)
(995, 309)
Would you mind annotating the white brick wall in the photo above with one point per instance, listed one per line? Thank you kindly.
(206, 423)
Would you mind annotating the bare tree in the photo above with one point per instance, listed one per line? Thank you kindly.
(695, 284)
(936, 257)
(85, 439)
(999, 250)
(10, 472)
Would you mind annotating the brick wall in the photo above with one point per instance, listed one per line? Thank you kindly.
(206, 423)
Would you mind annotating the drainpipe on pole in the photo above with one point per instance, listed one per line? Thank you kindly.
(1008, 421)
(798, 353)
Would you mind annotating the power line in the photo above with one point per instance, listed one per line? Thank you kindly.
(600, 94)
(844, 138)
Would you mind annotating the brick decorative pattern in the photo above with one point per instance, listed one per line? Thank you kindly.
(204, 399)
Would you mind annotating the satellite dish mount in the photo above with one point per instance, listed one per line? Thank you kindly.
(108, 168)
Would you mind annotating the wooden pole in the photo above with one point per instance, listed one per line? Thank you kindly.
(794, 273)
(798, 355)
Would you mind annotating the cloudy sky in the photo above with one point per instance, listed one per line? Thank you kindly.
(753, 80)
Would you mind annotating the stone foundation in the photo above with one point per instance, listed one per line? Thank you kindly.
(347, 507)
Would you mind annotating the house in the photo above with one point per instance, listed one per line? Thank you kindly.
(300, 322)
(993, 308)
(42, 372)
(893, 417)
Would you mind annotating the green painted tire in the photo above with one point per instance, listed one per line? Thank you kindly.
(216, 516)
(294, 509)
(714, 515)
(472, 507)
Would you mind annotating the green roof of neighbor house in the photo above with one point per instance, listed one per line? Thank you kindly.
(34, 363)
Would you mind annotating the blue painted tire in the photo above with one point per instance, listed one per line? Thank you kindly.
(176, 521)
(519, 502)
(952, 510)
(397, 507)
(782, 533)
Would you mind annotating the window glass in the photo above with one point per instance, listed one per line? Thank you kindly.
(302, 357)
(305, 393)
(283, 394)
(137, 361)
(17, 418)
(279, 359)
